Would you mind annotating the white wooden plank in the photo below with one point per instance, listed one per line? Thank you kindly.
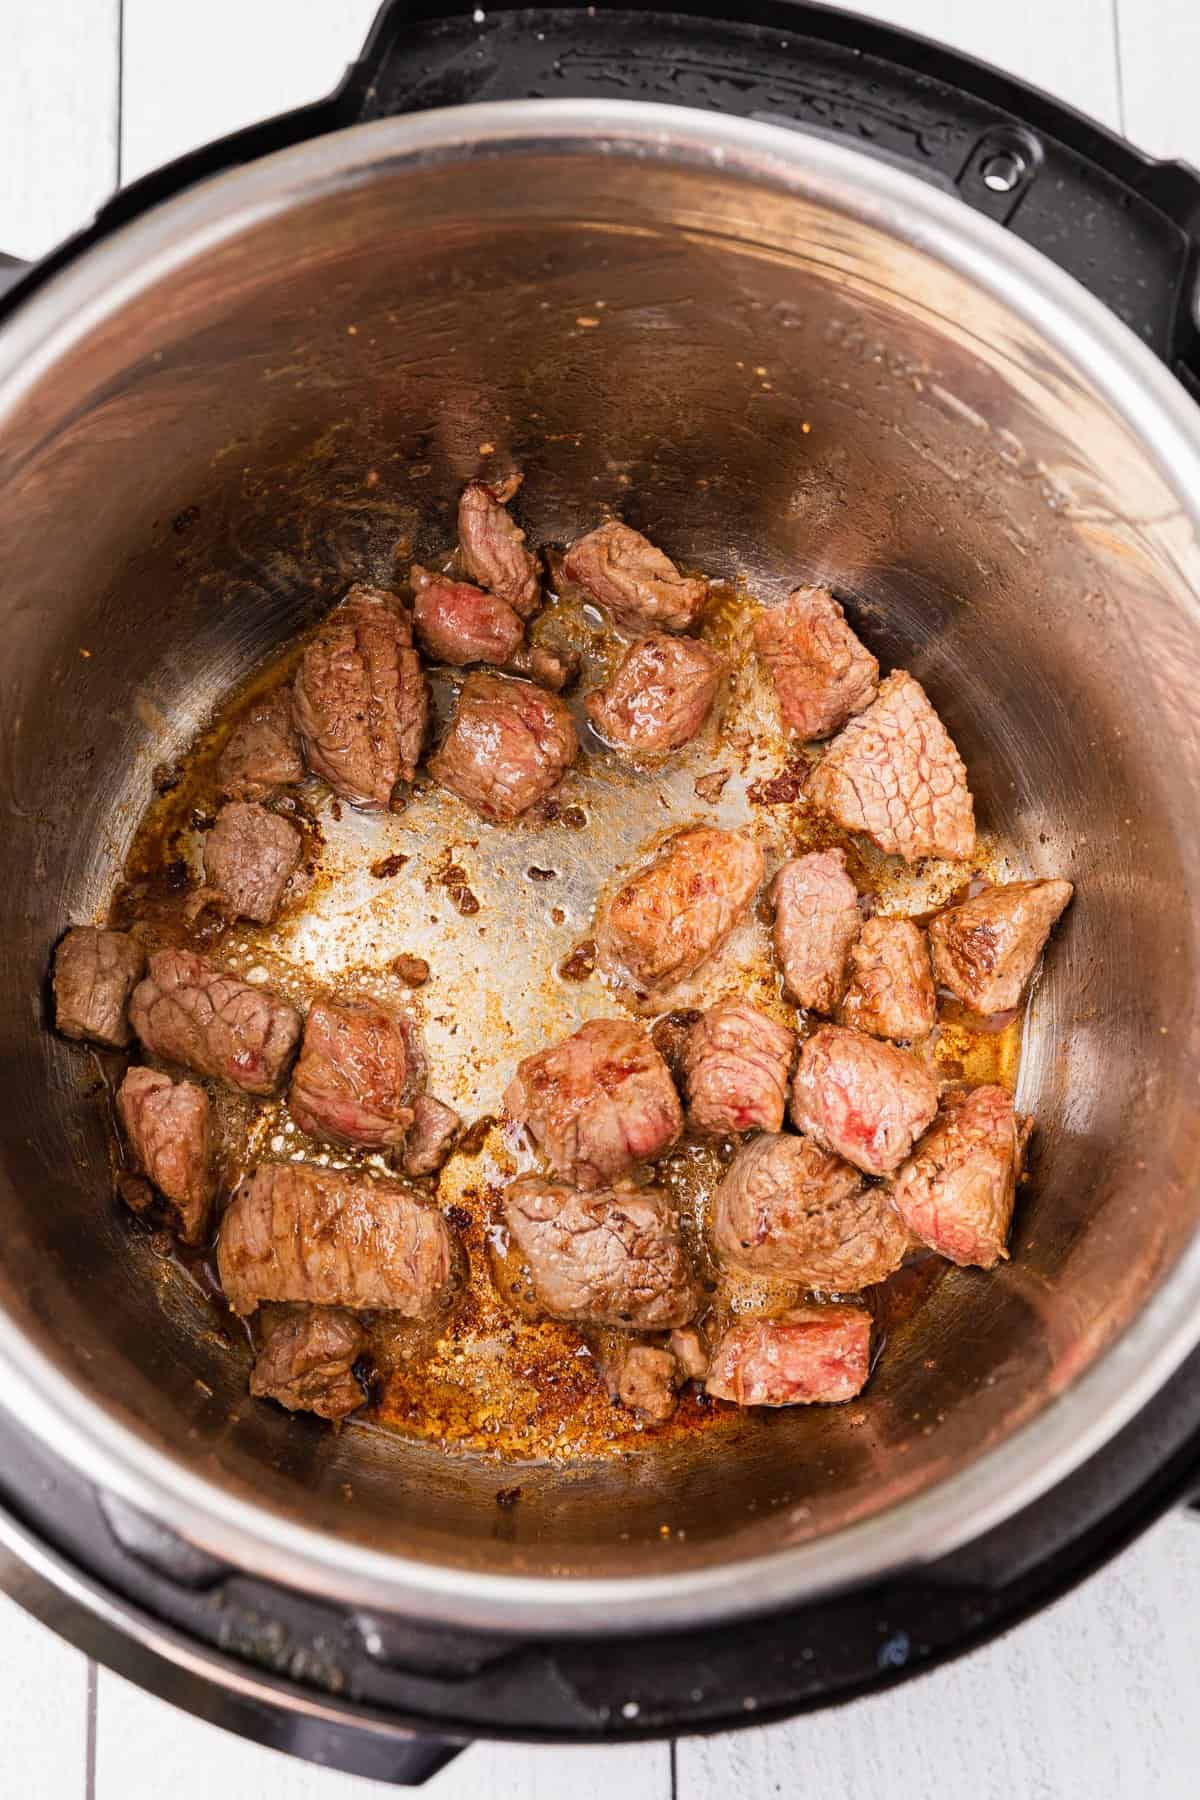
(193, 73)
(58, 118)
(1094, 1698)
(1160, 63)
(1067, 47)
(43, 1709)
(145, 1750)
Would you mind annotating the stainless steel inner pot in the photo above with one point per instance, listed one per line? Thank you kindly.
(807, 363)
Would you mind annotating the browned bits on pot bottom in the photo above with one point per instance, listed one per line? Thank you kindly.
(580, 963)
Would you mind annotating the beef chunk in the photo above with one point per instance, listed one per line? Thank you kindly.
(788, 1208)
(509, 745)
(624, 572)
(822, 674)
(459, 624)
(94, 974)
(813, 1353)
(659, 697)
(679, 908)
(865, 1100)
(307, 1363)
(550, 667)
(985, 950)
(171, 1132)
(189, 1012)
(493, 548)
(431, 1139)
(816, 920)
(250, 855)
(895, 774)
(956, 1193)
(361, 701)
(646, 1382)
(690, 1352)
(891, 992)
(262, 754)
(609, 1258)
(294, 1232)
(598, 1103)
(735, 1069)
(359, 1069)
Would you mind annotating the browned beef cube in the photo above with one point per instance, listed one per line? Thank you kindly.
(817, 918)
(94, 974)
(811, 1354)
(459, 624)
(170, 1128)
(788, 1208)
(294, 1232)
(643, 1377)
(359, 1070)
(250, 855)
(822, 674)
(690, 1352)
(956, 1192)
(431, 1138)
(189, 1012)
(597, 1104)
(493, 548)
(640, 586)
(550, 667)
(262, 754)
(895, 774)
(608, 1258)
(678, 909)
(361, 701)
(736, 1063)
(985, 950)
(510, 744)
(865, 1100)
(891, 992)
(659, 697)
(307, 1363)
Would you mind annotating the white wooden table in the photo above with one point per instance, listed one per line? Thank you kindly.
(1096, 1698)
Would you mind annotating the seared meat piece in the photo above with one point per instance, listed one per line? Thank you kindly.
(690, 1352)
(985, 950)
(171, 1132)
(639, 585)
(509, 745)
(788, 1208)
(956, 1192)
(659, 697)
(551, 668)
(250, 855)
(598, 1103)
(646, 1382)
(735, 1070)
(431, 1139)
(459, 624)
(361, 701)
(816, 921)
(94, 974)
(294, 1232)
(813, 1353)
(493, 548)
(891, 992)
(189, 1012)
(307, 1363)
(359, 1068)
(611, 1258)
(865, 1100)
(895, 774)
(678, 909)
(263, 751)
(822, 674)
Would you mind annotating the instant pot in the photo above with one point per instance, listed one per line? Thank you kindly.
(804, 297)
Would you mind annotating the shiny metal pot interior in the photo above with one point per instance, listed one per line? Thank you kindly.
(948, 428)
